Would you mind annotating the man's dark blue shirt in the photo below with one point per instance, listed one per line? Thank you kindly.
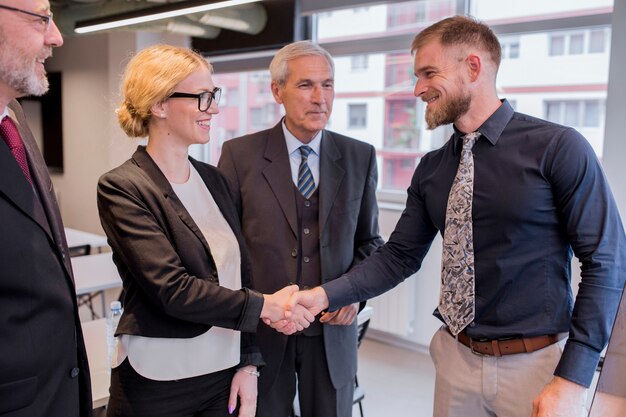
(540, 195)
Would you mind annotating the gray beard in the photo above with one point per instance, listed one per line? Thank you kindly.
(20, 74)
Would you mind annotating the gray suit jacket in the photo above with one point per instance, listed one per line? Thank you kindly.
(43, 363)
(257, 167)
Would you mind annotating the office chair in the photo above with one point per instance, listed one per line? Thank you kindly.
(363, 322)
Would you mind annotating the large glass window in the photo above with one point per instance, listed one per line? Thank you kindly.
(558, 70)
(561, 74)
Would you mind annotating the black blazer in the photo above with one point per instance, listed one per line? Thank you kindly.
(259, 173)
(43, 363)
(170, 279)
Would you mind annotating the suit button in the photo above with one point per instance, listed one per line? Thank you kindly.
(294, 253)
(306, 259)
(307, 231)
(307, 203)
(74, 372)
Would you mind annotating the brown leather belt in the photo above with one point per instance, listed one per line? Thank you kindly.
(508, 346)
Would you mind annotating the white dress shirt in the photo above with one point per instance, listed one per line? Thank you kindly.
(293, 147)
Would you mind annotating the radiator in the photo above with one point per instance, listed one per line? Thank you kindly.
(394, 311)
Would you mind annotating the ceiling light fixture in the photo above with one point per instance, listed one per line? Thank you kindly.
(154, 13)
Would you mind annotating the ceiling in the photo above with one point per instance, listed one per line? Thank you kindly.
(248, 18)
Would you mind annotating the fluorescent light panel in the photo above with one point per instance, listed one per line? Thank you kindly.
(151, 15)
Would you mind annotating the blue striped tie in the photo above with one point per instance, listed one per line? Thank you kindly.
(306, 183)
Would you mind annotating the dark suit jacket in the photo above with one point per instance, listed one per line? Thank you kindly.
(170, 279)
(43, 363)
(257, 167)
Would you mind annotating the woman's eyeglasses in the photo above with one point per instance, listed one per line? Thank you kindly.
(204, 99)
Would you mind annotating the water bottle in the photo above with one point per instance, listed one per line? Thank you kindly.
(112, 320)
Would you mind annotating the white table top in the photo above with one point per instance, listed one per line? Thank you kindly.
(79, 238)
(94, 273)
(95, 342)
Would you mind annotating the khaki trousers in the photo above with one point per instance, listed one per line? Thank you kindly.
(470, 385)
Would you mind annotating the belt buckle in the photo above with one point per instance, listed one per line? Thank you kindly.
(471, 347)
(475, 352)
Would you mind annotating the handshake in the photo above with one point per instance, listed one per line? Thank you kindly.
(290, 310)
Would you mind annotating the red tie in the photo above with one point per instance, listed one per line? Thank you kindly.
(12, 137)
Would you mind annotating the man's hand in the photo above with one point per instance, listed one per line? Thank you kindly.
(288, 327)
(314, 300)
(273, 312)
(342, 317)
(560, 398)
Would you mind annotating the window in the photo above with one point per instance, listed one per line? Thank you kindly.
(357, 116)
(359, 62)
(576, 43)
(510, 48)
(575, 113)
(546, 72)
(590, 41)
(229, 96)
(597, 41)
(406, 14)
(557, 45)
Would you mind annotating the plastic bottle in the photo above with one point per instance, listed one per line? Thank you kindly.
(112, 320)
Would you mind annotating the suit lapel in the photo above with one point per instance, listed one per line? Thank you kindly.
(147, 164)
(278, 175)
(50, 220)
(331, 176)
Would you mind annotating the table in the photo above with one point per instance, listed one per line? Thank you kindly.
(93, 274)
(95, 333)
(79, 238)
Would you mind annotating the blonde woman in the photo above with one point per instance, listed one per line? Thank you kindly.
(178, 246)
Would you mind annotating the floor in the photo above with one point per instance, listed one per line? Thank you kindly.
(395, 380)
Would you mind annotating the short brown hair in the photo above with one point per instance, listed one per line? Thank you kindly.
(461, 30)
(150, 78)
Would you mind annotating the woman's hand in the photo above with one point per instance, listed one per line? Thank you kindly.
(273, 312)
(244, 386)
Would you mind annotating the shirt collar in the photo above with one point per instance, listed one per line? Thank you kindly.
(293, 144)
(5, 113)
(493, 127)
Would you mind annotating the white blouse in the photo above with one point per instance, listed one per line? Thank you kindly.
(166, 359)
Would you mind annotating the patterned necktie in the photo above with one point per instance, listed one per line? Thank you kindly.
(306, 183)
(456, 301)
(12, 137)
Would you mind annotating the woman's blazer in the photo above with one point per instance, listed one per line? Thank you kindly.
(170, 280)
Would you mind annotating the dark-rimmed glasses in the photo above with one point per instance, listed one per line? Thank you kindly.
(204, 99)
(45, 19)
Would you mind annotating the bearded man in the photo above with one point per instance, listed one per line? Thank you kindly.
(43, 363)
(514, 197)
